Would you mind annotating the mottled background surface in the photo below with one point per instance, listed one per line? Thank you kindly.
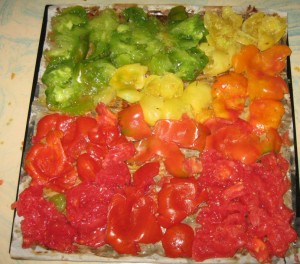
(20, 25)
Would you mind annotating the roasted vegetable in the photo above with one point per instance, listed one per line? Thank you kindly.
(189, 32)
(68, 19)
(187, 64)
(101, 29)
(95, 74)
(72, 45)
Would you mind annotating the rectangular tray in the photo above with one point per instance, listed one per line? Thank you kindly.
(38, 253)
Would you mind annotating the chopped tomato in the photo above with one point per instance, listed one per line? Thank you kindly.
(266, 113)
(178, 241)
(97, 152)
(107, 132)
(47, 164)
(154, 148)
(86, 210)
(87, 167)
(120, 152)
(114, 173)
(178, 199)
(42, 223)
(143, 176)
(229, 94)
(214, 124)
(75, 138)
(51, 122)
(259, 249)
(186, 133)
(236, 141)
(132, 122)
(132, 220)
(245, 209)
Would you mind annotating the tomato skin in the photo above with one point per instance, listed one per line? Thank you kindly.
(42, 223)
(186, 133)
(114, 174)
(266, 114)
(236, 141)
(132, 122)
(178, 199)
(120, 152)
(132, 220)
(87, 167)
(85, 124)
(143, 176)
(229, 94)
(51, 122)
(154, 148)
(178, 241)
(47, 164)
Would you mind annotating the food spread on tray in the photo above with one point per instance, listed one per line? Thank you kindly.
(163, 131)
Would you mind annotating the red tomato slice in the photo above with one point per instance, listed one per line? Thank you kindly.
(143, 176)
(178, 199)
(132, 220)
(87, 167)
(186, 133)
(47, 164)
(132, 122)
(120, 152)
(178, 241)
(236, 141)
(153, 147)
(51, 122)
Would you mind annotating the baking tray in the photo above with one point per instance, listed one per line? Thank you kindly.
(39, 253)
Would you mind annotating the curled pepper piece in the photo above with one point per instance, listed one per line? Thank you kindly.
(132, 220)
(178, 199)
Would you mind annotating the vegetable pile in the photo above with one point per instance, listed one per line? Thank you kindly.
(165, 135)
